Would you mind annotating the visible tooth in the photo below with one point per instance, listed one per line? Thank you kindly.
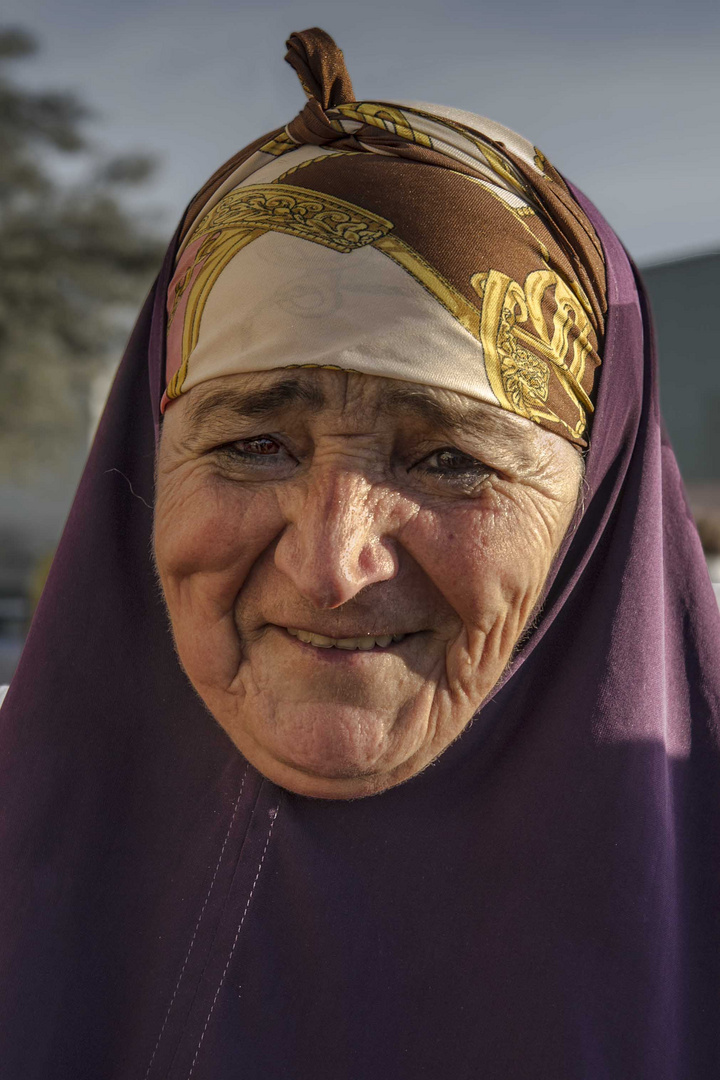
(365, 644)
(315, 639)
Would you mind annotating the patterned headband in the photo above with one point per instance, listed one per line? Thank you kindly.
(402, 240)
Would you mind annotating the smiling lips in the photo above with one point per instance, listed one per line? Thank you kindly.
(364, 643)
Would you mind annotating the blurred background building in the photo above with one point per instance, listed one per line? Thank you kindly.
(622, 97)
(683, 294)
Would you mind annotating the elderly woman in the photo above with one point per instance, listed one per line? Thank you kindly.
(368, 726)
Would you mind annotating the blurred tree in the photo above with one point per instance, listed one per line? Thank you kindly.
(72, 258)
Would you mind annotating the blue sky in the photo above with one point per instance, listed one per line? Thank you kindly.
(623, 97)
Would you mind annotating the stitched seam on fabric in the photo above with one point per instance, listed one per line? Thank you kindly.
(233, 947)
(197, 925)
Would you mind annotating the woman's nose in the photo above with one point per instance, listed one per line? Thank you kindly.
(335, 542)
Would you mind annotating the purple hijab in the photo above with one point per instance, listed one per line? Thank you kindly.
(541, 904)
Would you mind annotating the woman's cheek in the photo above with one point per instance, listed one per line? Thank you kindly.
(206, 542)
(488, 561)
(216, 528)
(458, 547)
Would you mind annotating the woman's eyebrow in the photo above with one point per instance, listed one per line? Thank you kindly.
(517, 445)
(211, 408)
(468, 418)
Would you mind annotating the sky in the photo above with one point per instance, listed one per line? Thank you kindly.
(622, 96)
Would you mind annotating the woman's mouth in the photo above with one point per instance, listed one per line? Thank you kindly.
(363, 643)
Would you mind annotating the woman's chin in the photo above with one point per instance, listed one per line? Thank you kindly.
(329, 751)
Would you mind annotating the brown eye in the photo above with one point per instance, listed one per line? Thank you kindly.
(452, 471)
(260, 456)
(262, 444)
(454, 461)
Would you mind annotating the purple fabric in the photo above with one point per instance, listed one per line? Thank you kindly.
(543, 903)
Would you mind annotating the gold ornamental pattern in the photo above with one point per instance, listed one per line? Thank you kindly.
(530, 332)
(323, 219)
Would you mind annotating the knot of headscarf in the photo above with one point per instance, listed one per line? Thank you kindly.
(320, 66)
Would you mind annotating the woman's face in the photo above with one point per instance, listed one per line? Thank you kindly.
(348, 563)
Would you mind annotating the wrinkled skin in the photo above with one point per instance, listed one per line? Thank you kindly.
(349, 505)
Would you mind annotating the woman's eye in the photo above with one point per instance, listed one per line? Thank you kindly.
(259, 452)
(452, 466)
(261, 445)
(452, 461)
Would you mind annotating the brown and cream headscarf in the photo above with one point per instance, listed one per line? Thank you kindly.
(404, 240)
